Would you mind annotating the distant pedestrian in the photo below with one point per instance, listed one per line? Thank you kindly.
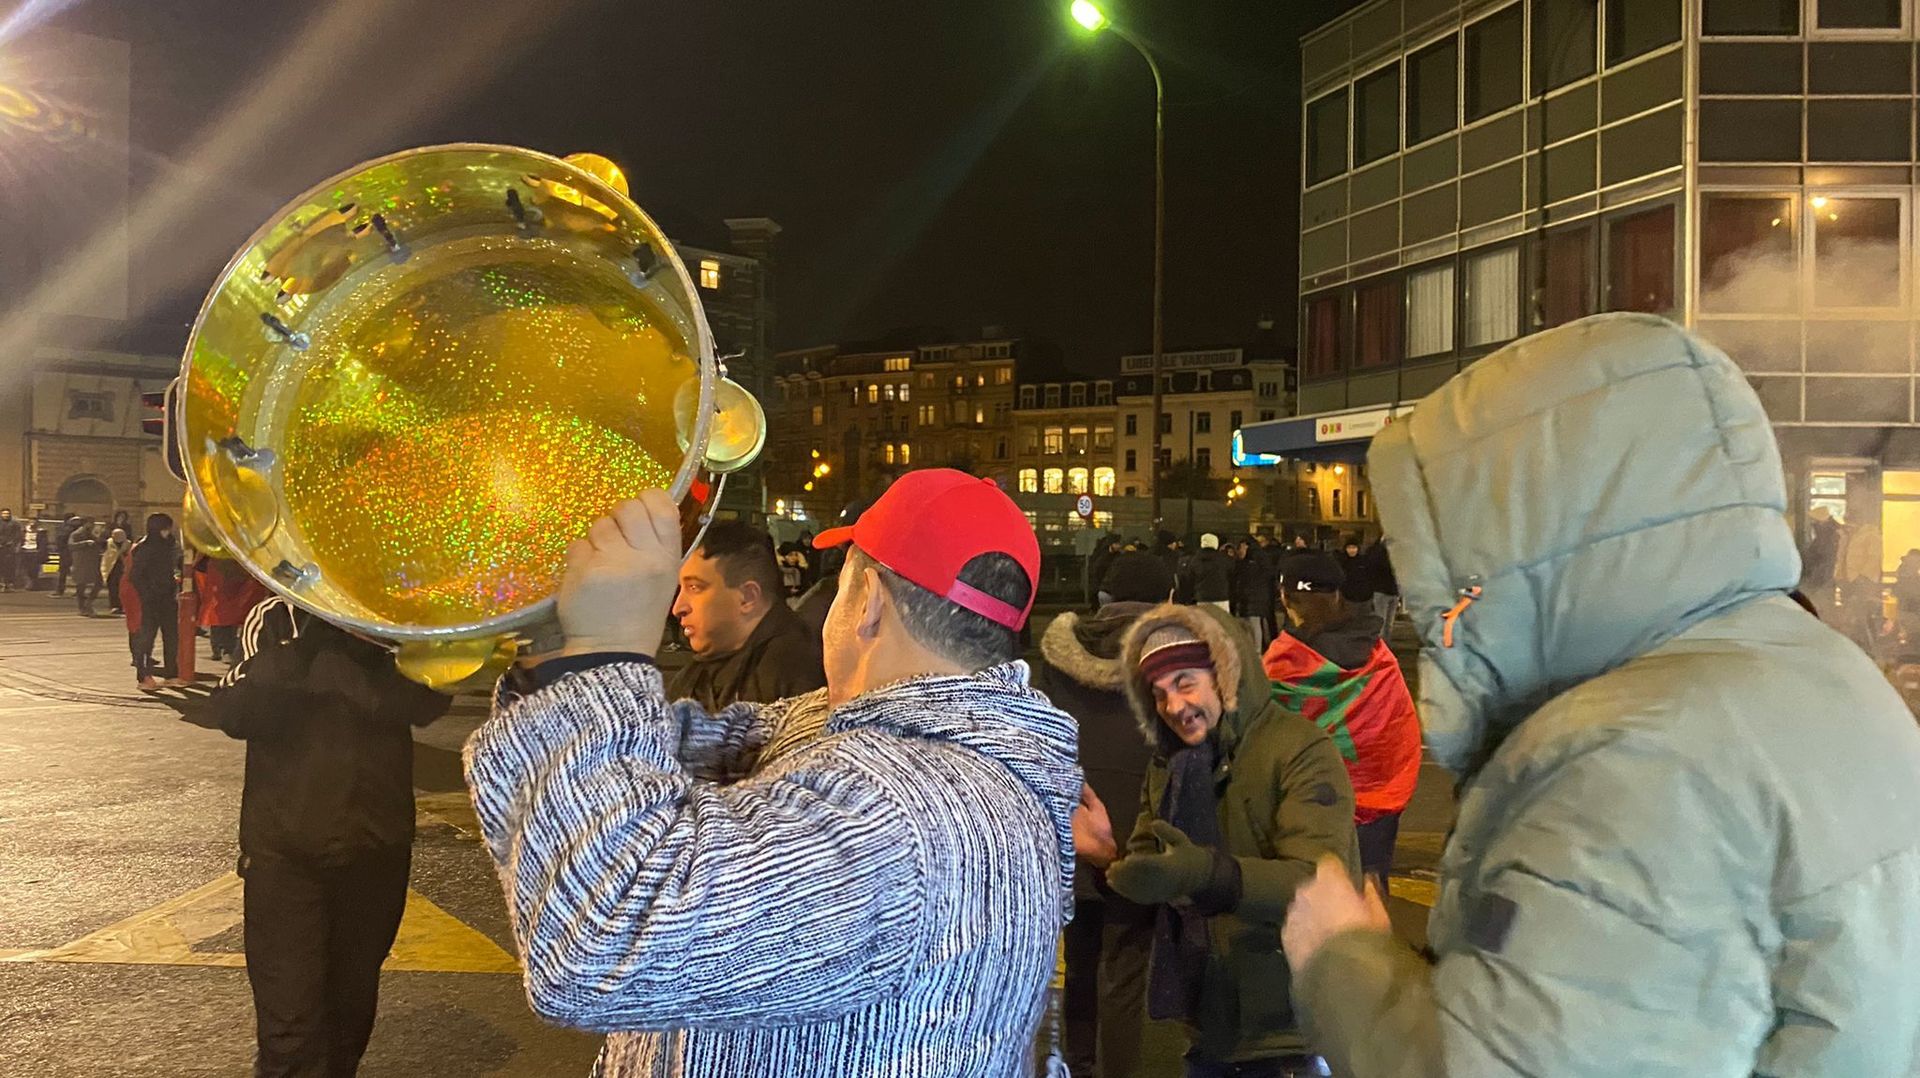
(1253, 592)
(326, 830)
(115, 563)
(1207, 577)
(84, 549)
(12, 535)
(154, 577)
(61, 533)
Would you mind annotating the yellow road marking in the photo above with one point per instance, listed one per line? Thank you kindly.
(1419, 892)
(430, 939)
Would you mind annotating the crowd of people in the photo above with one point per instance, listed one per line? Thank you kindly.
(860, 828)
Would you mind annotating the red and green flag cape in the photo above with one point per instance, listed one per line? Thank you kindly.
(1368, 712)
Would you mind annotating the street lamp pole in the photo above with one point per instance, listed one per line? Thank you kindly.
(1088, 15)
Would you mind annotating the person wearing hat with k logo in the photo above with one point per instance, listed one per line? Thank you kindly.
(867, 879)
(1242, 799)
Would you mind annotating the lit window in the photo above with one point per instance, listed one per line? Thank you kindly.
(856, 394)
(1102, 439)
(1493, 296)
(1076, 481)
(1429, 316)
(1056, 480)
(1747, 258)
(906, 453)
(709, 273)
(1077, 441)
(1103, 482)
(1856, 252)
(899, 363)
(819, 414)
(1029, 481)
(889, 452)
(1640, 259)
(873, 393)
(1002, 376)
(904, 387)
(889, 390)
(959, 381)
(979, 379)
(980, 416)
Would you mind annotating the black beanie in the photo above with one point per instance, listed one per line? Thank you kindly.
(1137, 577)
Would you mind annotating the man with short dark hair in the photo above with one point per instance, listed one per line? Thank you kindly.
(747, 642)
(868, 879)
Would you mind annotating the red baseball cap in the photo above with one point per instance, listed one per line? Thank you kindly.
(930, 523)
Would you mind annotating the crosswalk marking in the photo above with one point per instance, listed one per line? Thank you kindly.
(430, 940)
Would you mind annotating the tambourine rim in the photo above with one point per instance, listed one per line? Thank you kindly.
(499, 624)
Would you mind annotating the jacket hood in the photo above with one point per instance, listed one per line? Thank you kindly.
(1606, 485)
(1236, 666)
(1347, 643)
(1088, 649)
(995, 714)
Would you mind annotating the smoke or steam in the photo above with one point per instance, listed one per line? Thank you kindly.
(1852, 300)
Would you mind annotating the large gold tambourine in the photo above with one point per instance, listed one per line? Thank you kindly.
(414, 386)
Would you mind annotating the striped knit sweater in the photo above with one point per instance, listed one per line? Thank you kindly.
(779, 889)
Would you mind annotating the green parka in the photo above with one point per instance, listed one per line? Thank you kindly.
(1689, 842)
(1284, 802)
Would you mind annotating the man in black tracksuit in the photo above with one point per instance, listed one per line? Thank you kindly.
(326, 829)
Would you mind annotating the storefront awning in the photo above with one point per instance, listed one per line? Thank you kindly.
(1327, 436)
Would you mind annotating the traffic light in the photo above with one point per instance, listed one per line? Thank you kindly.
(162, 411)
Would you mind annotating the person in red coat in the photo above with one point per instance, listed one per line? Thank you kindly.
(1332, 666)
(227, 594)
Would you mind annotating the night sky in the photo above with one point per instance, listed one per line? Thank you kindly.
(955, 165)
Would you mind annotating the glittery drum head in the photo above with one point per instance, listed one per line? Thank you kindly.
(411, 390)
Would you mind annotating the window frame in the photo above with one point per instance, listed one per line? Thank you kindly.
(1609, 62)
(1809, 239)
(1453, 305)
(1466, 118)
(1408, 141)
(1345, 92)
(1797, 221)
(1537, 88)
(1342, 299)
(1461, 295)
(1812, 30)
(1677, 281)
(1399, 114)
(1798, 30)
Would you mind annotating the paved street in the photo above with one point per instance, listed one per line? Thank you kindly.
(120, 942)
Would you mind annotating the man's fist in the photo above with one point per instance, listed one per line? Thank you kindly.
(1326, 907)
(620, 579)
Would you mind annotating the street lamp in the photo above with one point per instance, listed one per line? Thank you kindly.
(1093, 19)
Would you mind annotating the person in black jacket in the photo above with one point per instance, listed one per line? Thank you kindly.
(156, 562)
(12, 535)
(1254, 584)
(1207, 576)
(748, 644)
(1108, 942)
(326, 829)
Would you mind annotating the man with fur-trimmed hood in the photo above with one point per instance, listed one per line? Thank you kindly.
(1080, 671)
(1241, 799)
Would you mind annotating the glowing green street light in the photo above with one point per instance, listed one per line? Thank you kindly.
(1088, 15)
